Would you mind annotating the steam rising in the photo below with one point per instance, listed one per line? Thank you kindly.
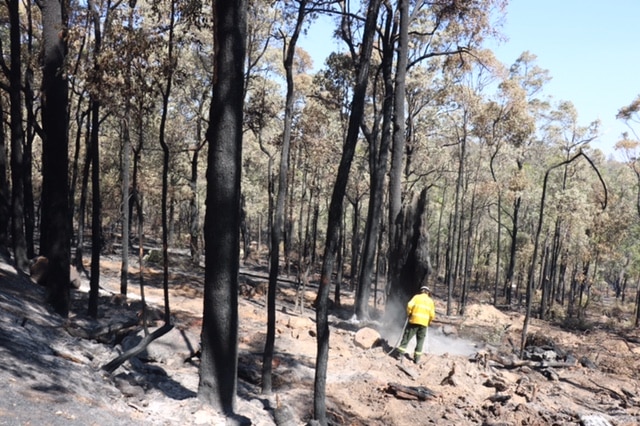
(436, 343)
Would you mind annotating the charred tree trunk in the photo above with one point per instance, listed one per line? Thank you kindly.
(399, 136)
(511, 269)
(82, 205)
(468, 257)
(4, 189)
(379, 143)
(55, 186)
(438, 259)
(355, 243)
(18, 236)
(219, 362)
(413, 258)
(194, 205)
(96, 202)
(335, 211)
(637, 308)
(125, 172)
(166, 94)
(96, 208)
(32, 127)
(281, 196)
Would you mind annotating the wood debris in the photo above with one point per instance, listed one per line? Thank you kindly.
(420, 393)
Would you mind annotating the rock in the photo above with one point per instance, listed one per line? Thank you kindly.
(586, 362)
(550, 374)
(40, 267)
(500, 397)
(497, 383)
(171, 349)
(449, 330)
(366, 338)
(283, 416)
(126, 384)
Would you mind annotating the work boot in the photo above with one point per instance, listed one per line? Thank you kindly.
(416, 359)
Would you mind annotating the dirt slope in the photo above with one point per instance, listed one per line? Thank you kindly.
(51, 367)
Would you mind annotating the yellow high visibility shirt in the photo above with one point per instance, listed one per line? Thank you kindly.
(421, 310)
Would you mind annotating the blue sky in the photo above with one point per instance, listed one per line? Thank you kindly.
(592, 52)
(591, 49)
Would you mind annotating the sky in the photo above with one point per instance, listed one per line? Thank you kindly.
(590, 48)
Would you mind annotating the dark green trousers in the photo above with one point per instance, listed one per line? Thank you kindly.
(420, 331)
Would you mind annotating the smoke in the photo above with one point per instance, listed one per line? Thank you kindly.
(436, 342)
(440, 344)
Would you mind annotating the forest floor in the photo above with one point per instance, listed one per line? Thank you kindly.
(51, 367)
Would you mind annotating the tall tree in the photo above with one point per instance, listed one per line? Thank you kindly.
(531, 272)
(450, 30)
(94, 147)
(277, 227)
(379, 143)
(171, 62)
(17, 139)
(219, 362)
(4, 189)
(521, 92)
(335, 210)
(55, 225)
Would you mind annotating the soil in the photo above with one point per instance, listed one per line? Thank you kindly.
(469, 375)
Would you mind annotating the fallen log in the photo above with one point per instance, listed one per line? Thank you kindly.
(511, 363)
(420, 393)
(111, 366)
(499, 397)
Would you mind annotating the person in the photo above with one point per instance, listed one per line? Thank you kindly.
(420, 312)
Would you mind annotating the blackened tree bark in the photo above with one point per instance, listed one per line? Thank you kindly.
(125, 171)
(194, 202)
(55, 224)
(219, 362)
(166, 94)
(511, 269)
(82, 205)
(96, 202)
(194, 210)
(399, 141)
(17, 140)
(96, 208)
(277, 227)
(4, 190)
(32, 128)
(379, 143)
(335, 212)
(413, 256)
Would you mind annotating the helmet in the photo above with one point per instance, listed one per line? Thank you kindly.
(425, 288)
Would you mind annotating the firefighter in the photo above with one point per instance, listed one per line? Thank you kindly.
(420, 312)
